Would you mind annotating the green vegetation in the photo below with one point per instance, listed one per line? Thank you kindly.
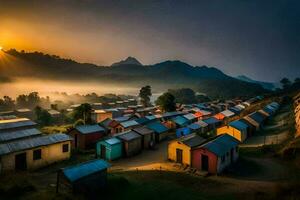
(83, 112)
(56, 129)
(43, 117)
(166, 102)
(145, 94)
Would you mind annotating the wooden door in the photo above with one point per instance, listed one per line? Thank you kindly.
(178, 155)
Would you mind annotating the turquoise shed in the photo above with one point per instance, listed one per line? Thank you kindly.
(110, 149)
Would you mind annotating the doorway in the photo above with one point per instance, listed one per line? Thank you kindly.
(204, 162)
(21, 161)
(178, 155)
(103, 151)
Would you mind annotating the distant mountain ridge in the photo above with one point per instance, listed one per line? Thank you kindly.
(128, 61)
(161, 76)
(266, 85)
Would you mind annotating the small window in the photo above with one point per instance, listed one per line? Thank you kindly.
(65, 148)
(37, 154)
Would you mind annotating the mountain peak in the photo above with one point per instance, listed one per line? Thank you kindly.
(128, 61)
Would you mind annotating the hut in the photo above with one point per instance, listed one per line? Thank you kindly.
(34, 153)
(202, 114)
(86, 177)
(160, 131)
(180, 150)
(236, 129)
(212, 122)
(179, 121)
(132, 142)
(215, 155)
(147, 136)
(109, 149)
(86, 136)
(256, 119)
(128, 125)
(183, 131)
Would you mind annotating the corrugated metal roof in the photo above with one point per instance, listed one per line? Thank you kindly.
(181, 121)
(143, 130)
(228, 113)
(202, 123)
(172, 114)
(74, 173)
(130, 135)
(157, 127)
(189, 116)
(13, 135)
(129, 123)
(151, 117)
(194, 126)
(258, 117)
(221, 145)
(122, 119)
(113, 141)
(86, 129)
(142, 120)
(193, 140)
(238, 125)
(211, 120)
(15, 123)
(234, 110)
(29, 143)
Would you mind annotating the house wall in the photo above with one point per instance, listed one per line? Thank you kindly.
(186, 152)
(99, 117)
(85, 141)
(227, 162)
(146, 139)
(212, 160)
(161, 136)
(132, 147)
(231, 131)
(50, 154)
(113, 152)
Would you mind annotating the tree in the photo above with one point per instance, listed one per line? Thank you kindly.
(83, 112)
(297, 80)
(7, 103)
(145, 94)
(33, 99)
(166, 102)
(286, 83)
(43, 117)
(184, 95)
(22, 101)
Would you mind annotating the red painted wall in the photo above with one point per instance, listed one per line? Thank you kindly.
(212, 160)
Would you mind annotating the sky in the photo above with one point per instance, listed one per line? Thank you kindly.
(259, 39)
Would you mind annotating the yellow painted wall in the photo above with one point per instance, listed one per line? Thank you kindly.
(186, 152)
(50, 154)
(231, 131)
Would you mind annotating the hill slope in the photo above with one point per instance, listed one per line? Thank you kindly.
(161, 76)
(266, 85)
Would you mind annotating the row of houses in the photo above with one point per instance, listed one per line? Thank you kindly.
(217, 153)
(23, 146)
(297, 113)
(245, 127)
